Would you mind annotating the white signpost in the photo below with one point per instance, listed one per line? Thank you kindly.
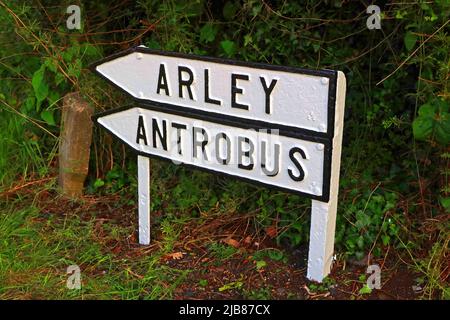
(272, 125)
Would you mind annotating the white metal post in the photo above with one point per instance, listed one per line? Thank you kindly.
(323, 214)
(144, 199)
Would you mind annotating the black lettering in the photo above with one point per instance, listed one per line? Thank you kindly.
(162, 136)
(297, 164)
(207, 97)
(179, 127)
(186, 82)
(268, 91)
(235, 90)
(247, 154)
(276, 160)
(196, 143)
(228, 146)
(141, 131)
(162, 80)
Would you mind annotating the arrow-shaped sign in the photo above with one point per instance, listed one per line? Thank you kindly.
(263, 156)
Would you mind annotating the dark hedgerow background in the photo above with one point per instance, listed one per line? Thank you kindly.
(394, 189)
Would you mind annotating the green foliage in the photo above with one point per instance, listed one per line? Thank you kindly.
(259, 294)
(221, 251)
(35, 253)
(274, 254)
(231, 286)
(433, 121)
(397, 91)
(410, 40)
(370, 220)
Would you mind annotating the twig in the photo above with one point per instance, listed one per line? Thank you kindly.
(413, 53)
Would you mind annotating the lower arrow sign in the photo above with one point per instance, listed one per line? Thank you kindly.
(258, 155)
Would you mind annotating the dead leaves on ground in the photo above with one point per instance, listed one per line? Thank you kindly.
(232, 242)
(174, 255)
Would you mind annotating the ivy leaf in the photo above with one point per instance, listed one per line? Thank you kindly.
(47, 116)
(410, 40)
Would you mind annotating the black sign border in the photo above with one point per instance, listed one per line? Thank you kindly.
(330, 74)
(231, 122)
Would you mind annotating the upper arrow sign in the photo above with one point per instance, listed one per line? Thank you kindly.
(284, 97)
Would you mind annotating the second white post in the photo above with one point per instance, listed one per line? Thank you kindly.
(144, 199)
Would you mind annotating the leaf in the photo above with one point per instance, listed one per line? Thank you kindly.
(276, 255)
(39, 86)
(231, 285)
(229, 10)
(442, 128)
(427, 110)
(29, 104)
(229, 47)
(53, 97)
(60, 78)
(47, 116)
(410, 40)
(365, 290)
(232, 242)
(51, 64)
(260, 264)
(386, 239)
(38, 76)
(89, 50)
(99, 183)
(153, 44)
(362, 219)
(445, 202)
(175, 255)
(272, 231)
(208, 33)
(422, 127)
(74, 69)
(360, 242)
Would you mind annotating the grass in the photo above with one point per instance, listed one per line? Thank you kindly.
(21, 149)
(434, 267)
(36, 249)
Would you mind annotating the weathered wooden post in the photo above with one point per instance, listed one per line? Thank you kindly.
(74, 144)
